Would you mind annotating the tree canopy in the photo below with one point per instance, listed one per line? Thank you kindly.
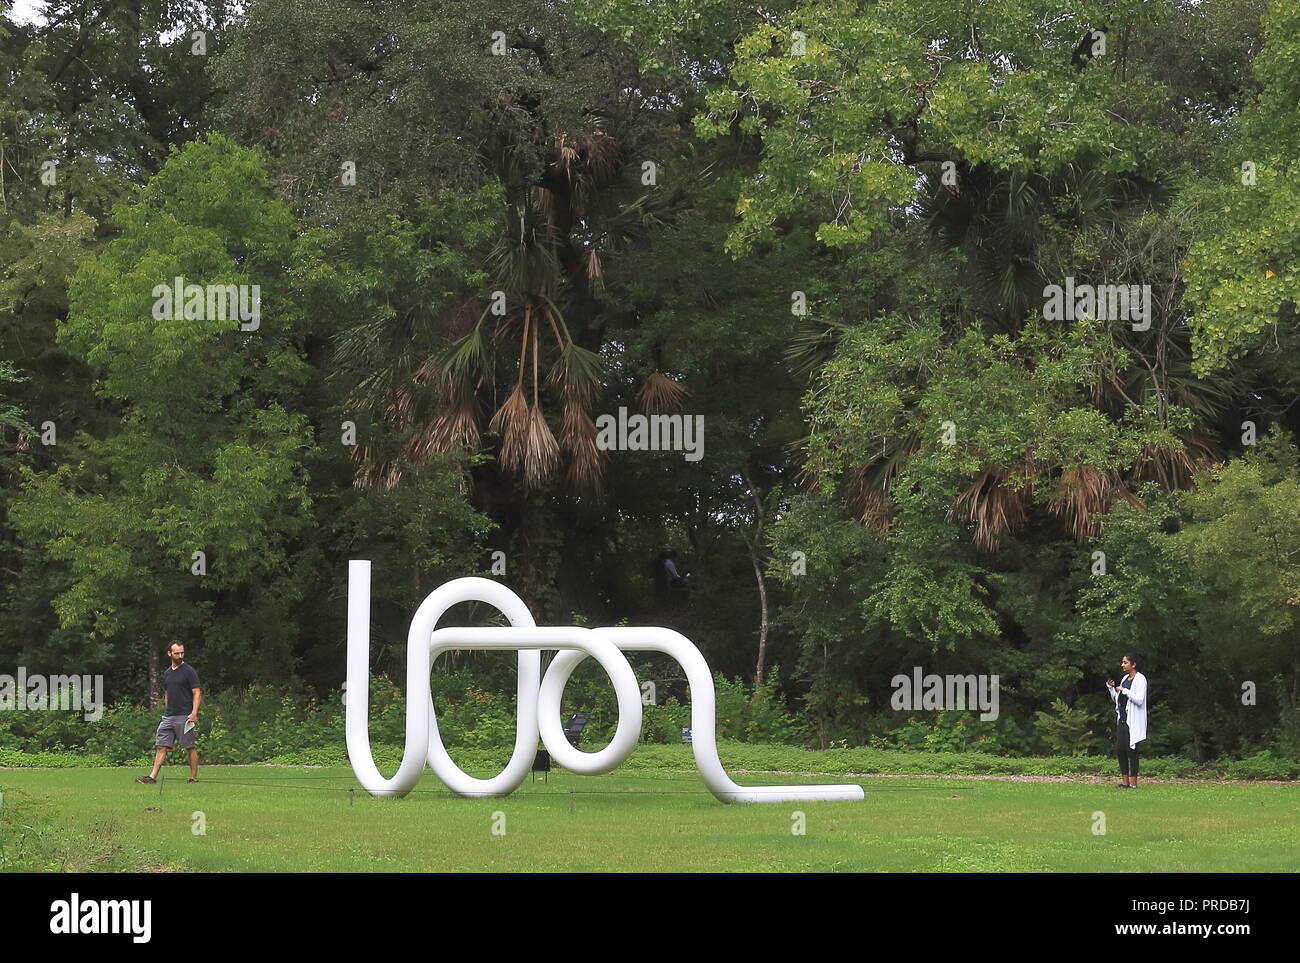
(829, 229)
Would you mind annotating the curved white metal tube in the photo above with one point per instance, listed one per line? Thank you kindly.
(421, 723)
(704, 741)
(572, 639)
(538, 699)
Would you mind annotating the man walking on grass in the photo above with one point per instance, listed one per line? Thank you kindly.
(181, 698)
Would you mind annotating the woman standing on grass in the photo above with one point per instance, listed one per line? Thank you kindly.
(1130, 698)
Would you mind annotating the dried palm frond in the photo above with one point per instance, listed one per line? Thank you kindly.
(600, 166)
(867, 485)
(401, 406)
(541, 451)
(595, 270)
(456, 426)
(873, 511)
(511, 423)
(389, 475)
(1174, 468)
(361, 478)
(567, 156)
(993, 505)
(661, 395)
(428, 371)
(1081, 494)
(602, 157)
(1085, 494)
(375, 471)
(866, 496)
(527, 444)
(586, 471)
(420, 444)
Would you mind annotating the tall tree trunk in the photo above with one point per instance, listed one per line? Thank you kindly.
(755, 549)
(762, 623)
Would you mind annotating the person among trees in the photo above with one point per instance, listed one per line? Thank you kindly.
(672, 578)
(1130, 698)
(181, 700)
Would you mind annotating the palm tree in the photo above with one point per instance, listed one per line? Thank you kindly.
(538, 331)
(1001, 223)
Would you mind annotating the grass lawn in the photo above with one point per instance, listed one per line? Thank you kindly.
(297, 819)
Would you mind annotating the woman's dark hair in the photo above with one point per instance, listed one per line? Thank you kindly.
(1133, 658)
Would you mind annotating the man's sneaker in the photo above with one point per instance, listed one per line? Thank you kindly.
(145, 779)
(191, 780)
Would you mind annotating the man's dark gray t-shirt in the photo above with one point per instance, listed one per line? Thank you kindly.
(179, 684)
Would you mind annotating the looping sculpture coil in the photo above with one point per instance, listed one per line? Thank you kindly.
(539, 697)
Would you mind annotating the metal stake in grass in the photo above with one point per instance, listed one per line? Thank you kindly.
(351, 797)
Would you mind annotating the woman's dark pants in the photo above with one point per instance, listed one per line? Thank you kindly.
(1128, 758)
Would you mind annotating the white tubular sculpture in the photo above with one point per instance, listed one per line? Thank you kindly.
(538, 698)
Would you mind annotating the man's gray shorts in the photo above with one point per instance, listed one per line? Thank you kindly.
(171, 732)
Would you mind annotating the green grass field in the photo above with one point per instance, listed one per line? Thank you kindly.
(285, 819)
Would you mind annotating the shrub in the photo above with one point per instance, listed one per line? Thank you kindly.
(757, 715)
(11, 758)
(954, 730)
(1069, 730)
(663, 724)
(1262, 765)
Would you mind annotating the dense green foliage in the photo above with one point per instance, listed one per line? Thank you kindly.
(825, 227)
